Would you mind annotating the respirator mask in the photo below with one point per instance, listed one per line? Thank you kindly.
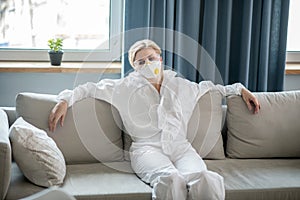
(150, 67)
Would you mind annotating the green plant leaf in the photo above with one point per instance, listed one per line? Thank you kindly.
(55, 44)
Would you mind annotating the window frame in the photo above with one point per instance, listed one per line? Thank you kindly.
(111, 54)
(293, 56)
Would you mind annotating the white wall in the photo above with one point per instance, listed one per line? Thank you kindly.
(49, 83)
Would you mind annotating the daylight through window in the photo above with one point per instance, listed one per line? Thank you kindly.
(293, 40)
(30, 23)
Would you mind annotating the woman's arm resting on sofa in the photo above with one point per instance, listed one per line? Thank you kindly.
(250, 100)
(59, 112)
(67, 98)
(239, 89)
(102, 90)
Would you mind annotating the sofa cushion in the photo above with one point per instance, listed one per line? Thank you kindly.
(37, 154)
(105, 181)
(114, 180)
(207, 117)
(249, 179)
(51, 193)
(5, 155)
(20, 186)
(89, 134)
(244, 179)
(273, 132)
(11, 114)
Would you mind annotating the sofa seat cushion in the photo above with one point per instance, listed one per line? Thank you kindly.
(259, 178)
(88, 181)
(105, 181)
(244, 179)
(19, 186)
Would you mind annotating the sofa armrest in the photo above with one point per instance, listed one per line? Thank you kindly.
(5, 154)
(11, 114)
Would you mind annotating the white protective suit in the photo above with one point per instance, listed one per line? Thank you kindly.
(157, 122)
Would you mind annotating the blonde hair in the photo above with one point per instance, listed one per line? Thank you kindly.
(139, 45)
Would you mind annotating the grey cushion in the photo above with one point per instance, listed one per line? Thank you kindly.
(207, 119)
(89, 134)
(20, 186)
(105, 181)
(5, 155)
(11, 114)
(52, 193)
(273, 132)
(244, 179)
(114, 180)
(259, 179)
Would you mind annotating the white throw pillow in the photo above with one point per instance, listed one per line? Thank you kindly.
(36, 154)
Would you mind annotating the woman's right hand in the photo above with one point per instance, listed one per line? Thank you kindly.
(58, 113)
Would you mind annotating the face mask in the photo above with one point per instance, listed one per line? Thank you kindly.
(151, 70)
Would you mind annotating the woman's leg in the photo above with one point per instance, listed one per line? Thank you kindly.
(154, 167)
(202, 184)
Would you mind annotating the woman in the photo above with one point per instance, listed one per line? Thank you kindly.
(155, 107)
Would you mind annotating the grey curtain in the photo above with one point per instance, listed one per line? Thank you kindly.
(225, 41)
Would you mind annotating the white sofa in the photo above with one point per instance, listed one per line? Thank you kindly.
(258, 155)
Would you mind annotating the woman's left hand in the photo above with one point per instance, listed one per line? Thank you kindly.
(250, 100)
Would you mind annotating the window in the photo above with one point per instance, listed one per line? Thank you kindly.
(293, 40)
(90, 29)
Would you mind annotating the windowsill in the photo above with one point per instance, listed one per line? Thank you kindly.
(66, 67)
(292, 68)
(85, 67)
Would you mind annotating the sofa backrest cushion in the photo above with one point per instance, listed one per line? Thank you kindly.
(89, 134)
(273, 132)
(11, 114)
(5, 155)
(206, 121)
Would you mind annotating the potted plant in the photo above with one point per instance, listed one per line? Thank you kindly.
(55, 52)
